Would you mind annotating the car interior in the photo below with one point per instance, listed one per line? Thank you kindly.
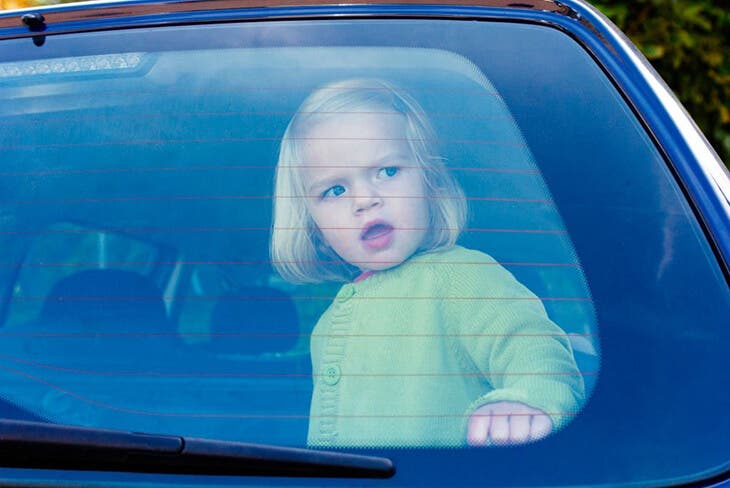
(139, 290)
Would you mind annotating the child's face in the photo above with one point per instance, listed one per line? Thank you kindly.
(363, 189)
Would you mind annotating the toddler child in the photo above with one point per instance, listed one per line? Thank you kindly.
(429, 343)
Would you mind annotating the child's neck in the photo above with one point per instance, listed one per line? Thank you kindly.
(365, 274)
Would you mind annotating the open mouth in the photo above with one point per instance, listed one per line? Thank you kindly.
(377, 235)
(375, 230)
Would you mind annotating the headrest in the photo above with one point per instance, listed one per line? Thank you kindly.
(103, 298)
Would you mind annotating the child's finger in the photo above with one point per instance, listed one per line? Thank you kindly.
(541, 426)
(519, 428)
(478, 428)
(499, 428)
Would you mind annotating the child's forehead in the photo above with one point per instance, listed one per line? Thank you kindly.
(355, 131)
(335, 155)
(355, 119)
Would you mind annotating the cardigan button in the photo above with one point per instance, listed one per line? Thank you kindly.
(331, 374)
(346, 293)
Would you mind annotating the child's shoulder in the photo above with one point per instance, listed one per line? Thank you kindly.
(454, 255)
(456, 263)
(454, 267)
(463, 270)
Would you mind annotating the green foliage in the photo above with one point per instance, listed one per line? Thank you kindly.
(688, 42)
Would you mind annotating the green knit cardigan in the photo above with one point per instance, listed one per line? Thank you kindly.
(403, 357)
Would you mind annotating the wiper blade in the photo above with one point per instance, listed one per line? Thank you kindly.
(50, 446)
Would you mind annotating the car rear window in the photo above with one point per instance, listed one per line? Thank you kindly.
(145, 288)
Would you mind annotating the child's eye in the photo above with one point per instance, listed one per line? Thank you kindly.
(333, 191)
(388, 172)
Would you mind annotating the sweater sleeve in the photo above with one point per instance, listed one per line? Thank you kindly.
(503, 332)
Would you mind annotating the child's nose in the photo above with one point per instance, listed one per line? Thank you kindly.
(365, 199)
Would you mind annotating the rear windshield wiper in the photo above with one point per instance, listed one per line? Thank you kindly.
(50, 446)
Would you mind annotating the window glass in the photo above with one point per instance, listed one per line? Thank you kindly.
(450, 239)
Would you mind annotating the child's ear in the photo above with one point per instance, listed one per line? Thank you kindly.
(323, 247)
(320, 243)
(324, 250)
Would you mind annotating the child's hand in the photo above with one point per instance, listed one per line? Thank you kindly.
(507, 423)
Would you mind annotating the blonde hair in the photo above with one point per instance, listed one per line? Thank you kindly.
(298, 251)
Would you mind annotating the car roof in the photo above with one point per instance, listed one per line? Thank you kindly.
(105, 9)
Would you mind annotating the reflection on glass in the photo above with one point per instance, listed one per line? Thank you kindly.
(137, 246)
